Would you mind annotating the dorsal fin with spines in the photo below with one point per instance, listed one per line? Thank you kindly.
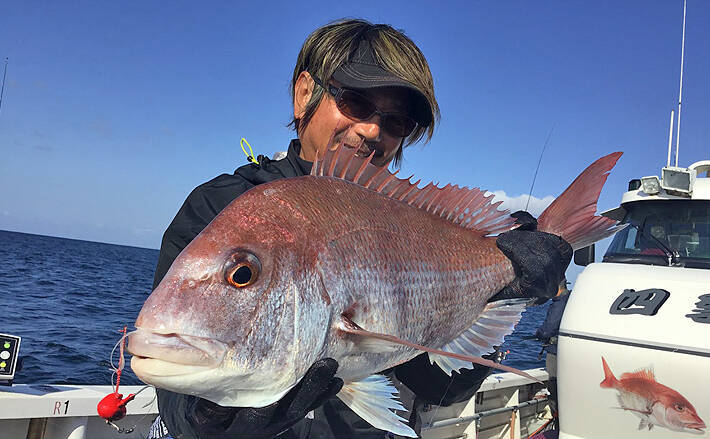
(468, 208)
(644, 374)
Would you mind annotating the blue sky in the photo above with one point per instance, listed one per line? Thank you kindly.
(114, 111)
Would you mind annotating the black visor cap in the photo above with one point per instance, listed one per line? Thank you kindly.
(363, 72)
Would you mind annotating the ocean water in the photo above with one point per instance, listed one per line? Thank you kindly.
(67, 299)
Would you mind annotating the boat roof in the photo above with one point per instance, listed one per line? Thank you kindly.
(700, 191)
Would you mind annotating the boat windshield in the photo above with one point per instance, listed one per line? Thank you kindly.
(661, 231)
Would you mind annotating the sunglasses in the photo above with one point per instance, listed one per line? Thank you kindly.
(356, 106)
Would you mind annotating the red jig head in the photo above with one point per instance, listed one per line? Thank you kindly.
(113, 406)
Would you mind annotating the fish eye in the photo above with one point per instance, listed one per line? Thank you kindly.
(679, 407)
(242, 269)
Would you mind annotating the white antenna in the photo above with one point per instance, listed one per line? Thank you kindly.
(680, 92)
(670, 140)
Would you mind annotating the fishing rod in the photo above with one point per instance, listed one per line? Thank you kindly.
(2, 89)
(538, 166)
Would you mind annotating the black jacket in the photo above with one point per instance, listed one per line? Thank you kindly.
(551, 326)
(333, 420)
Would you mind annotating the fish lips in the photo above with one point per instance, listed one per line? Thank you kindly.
(174, 354)
(696, 428)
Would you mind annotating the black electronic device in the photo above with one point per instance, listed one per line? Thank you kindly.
(9, 350)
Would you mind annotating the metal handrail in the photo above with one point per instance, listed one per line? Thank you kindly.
(474, 417)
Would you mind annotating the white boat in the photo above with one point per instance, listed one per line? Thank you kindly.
(634, 342)
(69, 412)
(504, 403)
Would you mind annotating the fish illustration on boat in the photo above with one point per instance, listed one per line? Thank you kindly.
(654, 403)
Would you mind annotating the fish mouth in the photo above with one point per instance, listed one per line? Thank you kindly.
(147, 369)
(698, 428)
(174, 354)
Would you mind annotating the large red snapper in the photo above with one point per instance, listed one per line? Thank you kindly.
(348, 263)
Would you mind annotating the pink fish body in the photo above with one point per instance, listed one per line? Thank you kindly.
(654, 403)
(321, 266)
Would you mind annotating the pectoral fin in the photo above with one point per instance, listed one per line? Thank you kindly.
(347, 326)
(645, 424)
(496, 321)
(372, 399)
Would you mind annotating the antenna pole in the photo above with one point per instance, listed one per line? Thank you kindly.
(670, 140)
(680, 91)
(2, 89)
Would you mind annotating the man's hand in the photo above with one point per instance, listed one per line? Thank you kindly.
(539, 260)
(206, 419)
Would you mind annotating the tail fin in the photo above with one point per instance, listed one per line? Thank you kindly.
(610, 380)
(572, 214)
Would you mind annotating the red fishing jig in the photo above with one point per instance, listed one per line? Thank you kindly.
(112, 407)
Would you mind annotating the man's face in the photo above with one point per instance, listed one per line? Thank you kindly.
(328, 121)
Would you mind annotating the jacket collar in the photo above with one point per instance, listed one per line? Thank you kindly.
(294, 158)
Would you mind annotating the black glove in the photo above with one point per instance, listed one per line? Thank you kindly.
(191, 417)
(539, 260)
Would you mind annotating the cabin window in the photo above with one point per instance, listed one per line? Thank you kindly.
(657, 229)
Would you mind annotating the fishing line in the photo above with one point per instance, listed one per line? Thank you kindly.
(121, 366)
(2, 89)
(112, 407)
(538, 166)
(448, 386)
(149, 403)
(121, 361)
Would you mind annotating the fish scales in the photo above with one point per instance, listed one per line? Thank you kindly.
(425, 279)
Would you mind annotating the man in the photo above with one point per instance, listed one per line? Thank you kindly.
(547, 334)
(359, 84)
